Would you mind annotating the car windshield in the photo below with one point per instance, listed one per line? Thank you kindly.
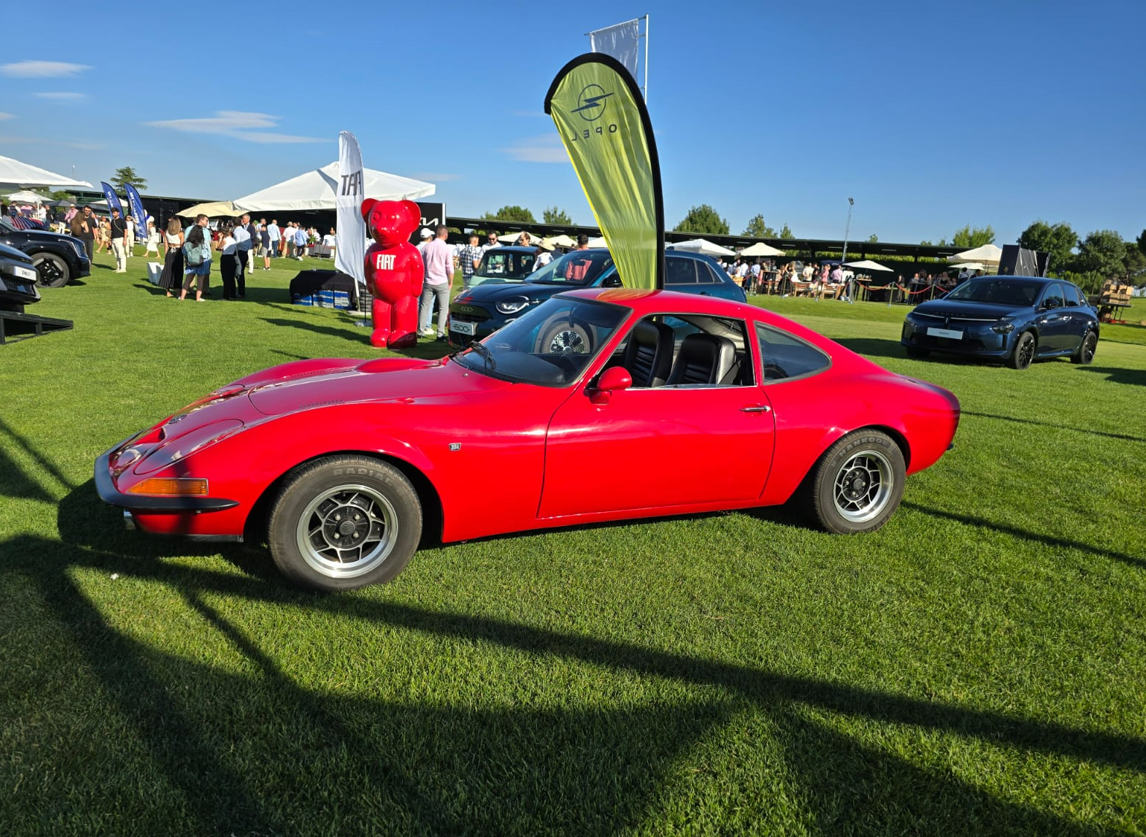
(578, 268)
(997, 291)
(550, 346)
(6, 224)
(506, 264)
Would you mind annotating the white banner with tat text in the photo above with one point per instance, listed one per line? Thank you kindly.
(349, 194)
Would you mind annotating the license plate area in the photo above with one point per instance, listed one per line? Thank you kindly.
(462, 327)
(25, 273)
(949, 333)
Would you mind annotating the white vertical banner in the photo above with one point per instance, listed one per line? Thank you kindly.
(350, 192)
(621, 41)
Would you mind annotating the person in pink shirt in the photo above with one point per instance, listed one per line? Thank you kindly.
(438, 258)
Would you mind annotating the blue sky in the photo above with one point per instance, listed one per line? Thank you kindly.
(930, 115)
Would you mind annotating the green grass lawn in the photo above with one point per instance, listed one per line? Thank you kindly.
(978, 666)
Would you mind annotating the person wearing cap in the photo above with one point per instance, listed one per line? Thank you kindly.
(426, 237)
(438, 260)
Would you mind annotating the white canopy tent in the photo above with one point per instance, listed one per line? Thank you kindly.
(316, 190)
(700, 245)
(867, 264)
(28, 197)
(14, 174)
(599, 241)
(761, 249)
(987, 254)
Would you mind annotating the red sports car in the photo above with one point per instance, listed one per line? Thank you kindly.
(596, 405)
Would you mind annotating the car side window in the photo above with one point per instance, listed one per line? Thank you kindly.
(1053, 297)
(786, 357)
(704, 274)
(687, 351)
(679, 272)
(1073, 299)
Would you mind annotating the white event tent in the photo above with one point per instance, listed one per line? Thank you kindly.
(701, 245)
(317, 189)
(13, 173)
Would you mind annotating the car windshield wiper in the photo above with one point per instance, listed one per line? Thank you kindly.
(489, 363)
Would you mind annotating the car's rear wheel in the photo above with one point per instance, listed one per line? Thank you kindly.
(857, 484)
(52, 271)
(1024, 351)
(344, 522)
(563, 338)
(918, 353)
(1085, 353)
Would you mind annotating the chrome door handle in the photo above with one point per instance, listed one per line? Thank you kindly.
(756, 408)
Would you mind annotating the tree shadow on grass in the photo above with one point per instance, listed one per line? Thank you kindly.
(250, 750)
(1045, 540)
(1133, 377)
(344, 332)
(1119, 436)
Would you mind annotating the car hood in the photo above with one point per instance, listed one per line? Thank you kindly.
(969, 310)
(11, 253)
(46, 235)
(381, 381)
(489, 294)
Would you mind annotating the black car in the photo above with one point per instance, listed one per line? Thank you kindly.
(17, 280)
(1011, 318)
(505, 264)
(482, 310)
(58, 258)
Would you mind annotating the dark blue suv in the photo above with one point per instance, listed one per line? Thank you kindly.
(482, 310)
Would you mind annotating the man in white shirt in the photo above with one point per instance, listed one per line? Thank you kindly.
(242, 238)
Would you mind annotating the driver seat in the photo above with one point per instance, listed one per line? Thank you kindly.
(648, 354)
(703, 359)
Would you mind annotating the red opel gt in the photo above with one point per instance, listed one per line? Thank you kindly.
(597, 405)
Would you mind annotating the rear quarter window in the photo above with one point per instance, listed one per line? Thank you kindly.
(786, 357)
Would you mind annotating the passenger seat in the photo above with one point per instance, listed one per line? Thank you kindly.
(703, 359)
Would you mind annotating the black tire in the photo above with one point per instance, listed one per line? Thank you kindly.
(1086, 349)
(355, 505)
(857, 484)
(51, 270)
(1024, 351)
(917, 353)
(564, 338)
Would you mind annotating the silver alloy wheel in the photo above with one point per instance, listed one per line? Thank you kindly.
(568, 342)
(347, 531)
(863, 486)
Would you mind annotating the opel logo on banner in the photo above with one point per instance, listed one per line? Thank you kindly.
(591, 102)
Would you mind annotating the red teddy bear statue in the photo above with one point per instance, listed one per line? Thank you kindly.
(393, 271)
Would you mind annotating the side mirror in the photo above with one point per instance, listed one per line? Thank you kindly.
(613, 281)
(613, 379)
(1052, 302)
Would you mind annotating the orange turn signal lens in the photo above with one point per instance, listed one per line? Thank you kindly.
(171, 486)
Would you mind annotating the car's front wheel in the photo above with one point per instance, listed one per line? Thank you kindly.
(52, 271)
(1085, 353)
(1024, 351)
(343, 522)
(857, 484)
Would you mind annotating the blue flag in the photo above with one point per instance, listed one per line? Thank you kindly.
(112, 198)
(136, 204)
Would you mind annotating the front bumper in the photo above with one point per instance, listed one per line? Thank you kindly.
(979, 341)
(142, 503)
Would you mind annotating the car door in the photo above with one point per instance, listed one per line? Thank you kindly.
(1081, 317)
(659, 447)
(1053, 320)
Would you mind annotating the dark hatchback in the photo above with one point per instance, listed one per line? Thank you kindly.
(1011, 318)
(58, 258)
(482, 310)
(505, 264)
